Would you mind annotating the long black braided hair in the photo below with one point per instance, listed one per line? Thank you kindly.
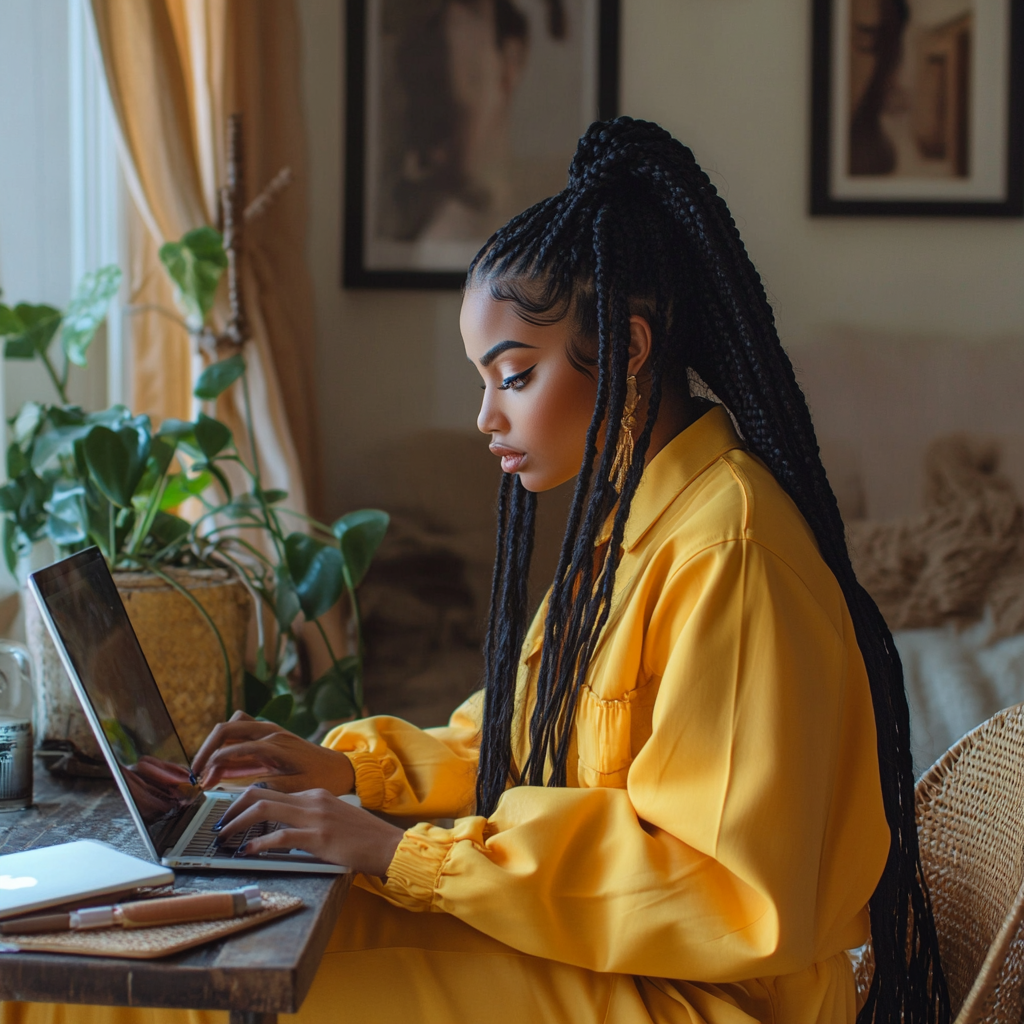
(640, 229)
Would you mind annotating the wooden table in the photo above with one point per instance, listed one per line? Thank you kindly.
(255, 974)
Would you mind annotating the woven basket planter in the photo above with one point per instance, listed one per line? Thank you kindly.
(178, 643)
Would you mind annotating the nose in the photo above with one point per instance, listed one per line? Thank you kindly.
(491, 419)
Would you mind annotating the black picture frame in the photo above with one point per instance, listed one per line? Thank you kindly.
(355, 273)
(824, 201)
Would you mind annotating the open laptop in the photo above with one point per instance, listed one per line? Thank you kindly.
(175, 817)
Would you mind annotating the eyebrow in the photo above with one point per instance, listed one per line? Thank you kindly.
(503, 346)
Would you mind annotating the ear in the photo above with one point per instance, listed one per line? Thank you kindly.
(639, 344)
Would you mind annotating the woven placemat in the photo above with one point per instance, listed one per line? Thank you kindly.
(149, 943)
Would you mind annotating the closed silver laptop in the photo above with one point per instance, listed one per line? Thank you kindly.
(51, 875)
(97, 645)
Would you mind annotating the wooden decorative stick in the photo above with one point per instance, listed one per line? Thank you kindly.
(232, 198)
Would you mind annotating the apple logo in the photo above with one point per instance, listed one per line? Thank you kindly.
(23, 882)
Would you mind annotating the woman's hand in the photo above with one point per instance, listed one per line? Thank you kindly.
(319, 823)
(245, 748)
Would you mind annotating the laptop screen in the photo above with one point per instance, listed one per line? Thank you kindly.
(87, 612)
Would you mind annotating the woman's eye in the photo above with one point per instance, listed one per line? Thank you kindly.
(517, 381)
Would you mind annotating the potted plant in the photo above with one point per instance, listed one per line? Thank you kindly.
(114, 480)
(106, 478)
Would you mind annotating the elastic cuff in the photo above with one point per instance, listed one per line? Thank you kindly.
(373, 785)
(413, 872)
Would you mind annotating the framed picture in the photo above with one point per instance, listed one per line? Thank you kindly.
(460, 114)
(917, 108)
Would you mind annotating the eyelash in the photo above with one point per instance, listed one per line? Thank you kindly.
(517, 381)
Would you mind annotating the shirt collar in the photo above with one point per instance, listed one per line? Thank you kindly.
(673, 469)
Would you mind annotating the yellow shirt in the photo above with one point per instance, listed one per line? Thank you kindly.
(723, 819)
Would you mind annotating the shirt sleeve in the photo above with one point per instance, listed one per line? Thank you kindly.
(406, 771)
(750, 833)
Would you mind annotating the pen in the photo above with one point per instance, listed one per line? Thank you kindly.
(200, 906)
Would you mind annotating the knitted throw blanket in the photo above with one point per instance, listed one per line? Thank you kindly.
(963, 552)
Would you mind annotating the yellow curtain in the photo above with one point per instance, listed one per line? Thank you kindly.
(176, 70)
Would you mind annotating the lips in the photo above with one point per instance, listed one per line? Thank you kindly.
(511, 459)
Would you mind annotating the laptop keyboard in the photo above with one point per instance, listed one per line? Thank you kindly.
(204, 842)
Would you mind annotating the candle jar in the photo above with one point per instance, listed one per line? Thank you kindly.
(16, 700)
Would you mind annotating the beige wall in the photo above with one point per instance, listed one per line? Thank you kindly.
(730, 78)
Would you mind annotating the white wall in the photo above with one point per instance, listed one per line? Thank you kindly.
(731, 79)
(390, 362)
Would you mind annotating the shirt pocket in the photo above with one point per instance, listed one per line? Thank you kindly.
(603, 740)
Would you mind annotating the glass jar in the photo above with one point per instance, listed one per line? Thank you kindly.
(16, 700)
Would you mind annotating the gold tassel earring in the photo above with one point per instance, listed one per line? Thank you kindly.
(624, 443)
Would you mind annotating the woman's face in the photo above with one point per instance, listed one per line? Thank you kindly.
(536, 405)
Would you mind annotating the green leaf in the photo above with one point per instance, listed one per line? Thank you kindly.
(181, 487)
(11, 495)
(17, 462)
(113, 417)
(262, 668)
(87, 311)
(53, 444)
(65, 533)
(183, 434)
(195, 265)
(360, 534)
(318, 572)
(32, 511)
(278, 709)
(286, 600)
(26, 423)
(303, 723)
(116, 461)
(218, 377)
(333, 702)
(40, 324)
(160, 455)
(257, 694)
(273, 497)
(211, 435)
(168, 530)
(11, 545)
(225, 484)
(10, 322)
(68, 519)
(69, 415)
(175, 429)
(332, 696)
(97, 516)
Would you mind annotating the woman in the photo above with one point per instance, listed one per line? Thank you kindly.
(668, 798)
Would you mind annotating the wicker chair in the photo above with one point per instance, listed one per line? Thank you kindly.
(970, 815)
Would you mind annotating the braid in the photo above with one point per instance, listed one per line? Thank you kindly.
(641, 229)
(506, 629)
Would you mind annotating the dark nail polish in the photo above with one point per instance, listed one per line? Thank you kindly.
(218, 826)
(260, 785)
(242, 848)
(192, 777)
